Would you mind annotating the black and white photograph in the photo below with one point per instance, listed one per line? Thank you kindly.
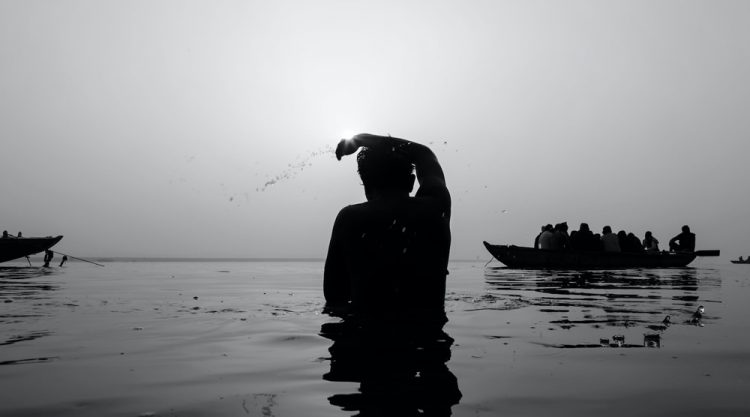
(374, 208)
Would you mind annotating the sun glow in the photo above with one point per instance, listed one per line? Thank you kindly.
(347, 134)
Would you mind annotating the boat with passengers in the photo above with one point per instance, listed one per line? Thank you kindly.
(525, 257)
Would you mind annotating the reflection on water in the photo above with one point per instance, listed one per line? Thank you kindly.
(652, 299)
(401, 371)
(25, 294)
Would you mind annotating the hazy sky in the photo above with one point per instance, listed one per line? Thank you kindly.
(205, 128)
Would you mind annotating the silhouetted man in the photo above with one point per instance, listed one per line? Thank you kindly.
(385, 274)
(389, 255)
(684, 242)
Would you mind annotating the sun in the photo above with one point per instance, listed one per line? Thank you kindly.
(347, 134)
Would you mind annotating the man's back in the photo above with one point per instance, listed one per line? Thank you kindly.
(396, 254)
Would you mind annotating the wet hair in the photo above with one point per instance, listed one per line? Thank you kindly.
(384, 169)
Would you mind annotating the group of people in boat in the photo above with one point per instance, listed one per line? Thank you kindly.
(557, 238)
(6, 235)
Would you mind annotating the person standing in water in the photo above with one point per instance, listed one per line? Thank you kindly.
(385, 276)
(48, 255)
(391, 250)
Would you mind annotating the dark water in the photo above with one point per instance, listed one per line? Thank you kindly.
(249, 338)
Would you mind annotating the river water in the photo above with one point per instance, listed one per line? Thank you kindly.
(231, 338)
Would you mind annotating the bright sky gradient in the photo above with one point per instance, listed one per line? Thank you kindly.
(151, 128)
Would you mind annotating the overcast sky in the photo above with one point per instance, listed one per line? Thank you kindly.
(206, 128)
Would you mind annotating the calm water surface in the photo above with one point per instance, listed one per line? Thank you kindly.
(244, 338)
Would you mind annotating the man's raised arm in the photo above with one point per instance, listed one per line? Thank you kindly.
(429, 172)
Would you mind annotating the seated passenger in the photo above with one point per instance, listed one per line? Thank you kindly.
(610, 242)
(650, 244)
(684, 242)
(545, 239)
(597, 242)
(622, 239)
(560, 236)
(536, 239)
(634, 244)
(583, 239)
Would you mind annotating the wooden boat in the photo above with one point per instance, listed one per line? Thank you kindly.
(18, 247)
(524, 257)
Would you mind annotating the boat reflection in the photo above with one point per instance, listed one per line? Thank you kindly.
(401, 370)
(25, 293)
(649, 299)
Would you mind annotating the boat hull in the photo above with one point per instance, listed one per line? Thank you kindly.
(18, 247)
(523, 257)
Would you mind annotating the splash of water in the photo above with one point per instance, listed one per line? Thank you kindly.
(295, 168)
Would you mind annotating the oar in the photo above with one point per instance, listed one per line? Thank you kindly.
(714, 252)
(80, 259)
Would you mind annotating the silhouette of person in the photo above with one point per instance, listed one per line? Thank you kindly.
(546, 237)
(650, 243)
(64, 259)
(19, 234)
(5, 234)
(48, 255)
(634, 244)
(536, 239)
(684, 242)
(610, 241)
(581, 239)
(391, 250)
(385, 276)
(560, 237)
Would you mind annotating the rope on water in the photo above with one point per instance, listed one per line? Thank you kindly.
(80, 259)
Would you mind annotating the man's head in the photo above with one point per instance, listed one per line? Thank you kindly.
(686, 229)
(385, 171)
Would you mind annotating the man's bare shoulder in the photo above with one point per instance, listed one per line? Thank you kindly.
(354, 210)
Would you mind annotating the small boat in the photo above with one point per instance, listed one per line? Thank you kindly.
(18, 247)
(741, 261)
(525, 257)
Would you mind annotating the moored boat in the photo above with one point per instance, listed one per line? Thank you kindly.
(746, 261)
(525, 257)
(18, 247)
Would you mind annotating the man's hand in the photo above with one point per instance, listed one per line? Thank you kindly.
(346, 147)
(349, 146)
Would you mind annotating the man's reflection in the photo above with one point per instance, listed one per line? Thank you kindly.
(402, 370)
